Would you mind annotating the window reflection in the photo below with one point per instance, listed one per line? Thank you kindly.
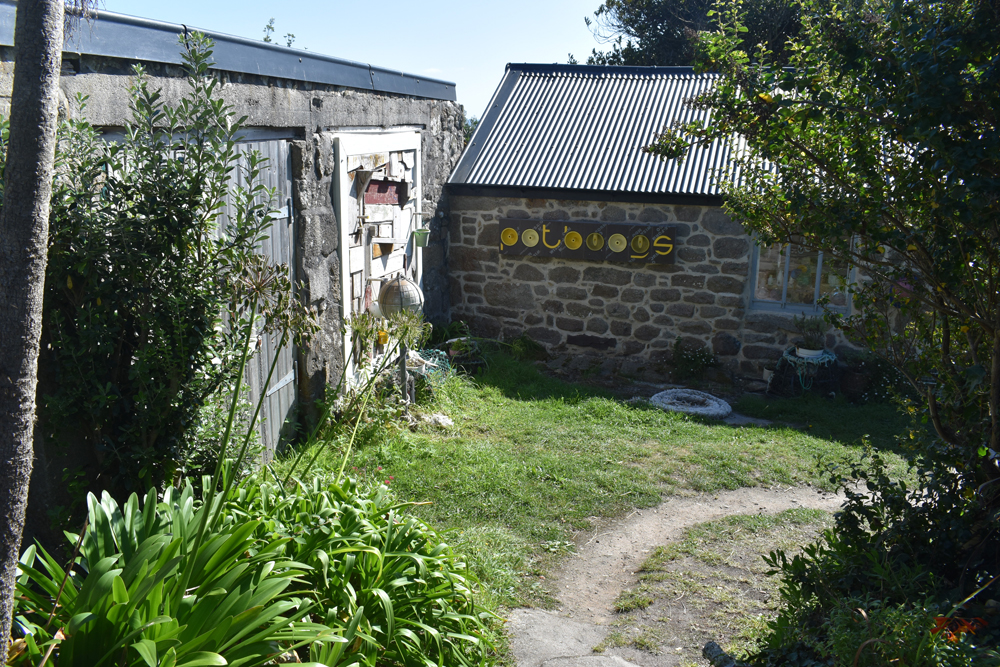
(802, 276)
(807, 274)
(834, 282)
(770, 274)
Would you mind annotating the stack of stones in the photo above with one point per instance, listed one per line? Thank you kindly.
(623, 317)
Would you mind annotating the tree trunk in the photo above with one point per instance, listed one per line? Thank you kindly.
(995, 393)
(38, 40)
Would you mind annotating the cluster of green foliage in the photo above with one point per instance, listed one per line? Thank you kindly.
(339, 575)
(813, 330)
(883, 586)
(289, 37)
(145, 591)
(148, 288)
(251, 572)
(469, 128)
(378, 573)
(201, 440)
(884, 381)
(146, 281)
(879, 146)
(526, 349)
(662, 32)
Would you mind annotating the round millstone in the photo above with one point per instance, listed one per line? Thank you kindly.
(692, 402)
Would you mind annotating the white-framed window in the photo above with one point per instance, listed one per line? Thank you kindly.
(792, 279)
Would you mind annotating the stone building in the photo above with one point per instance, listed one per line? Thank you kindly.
(564, 229)
(358, 154)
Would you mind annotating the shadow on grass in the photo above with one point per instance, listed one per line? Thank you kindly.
(521, 380)
(836, 420)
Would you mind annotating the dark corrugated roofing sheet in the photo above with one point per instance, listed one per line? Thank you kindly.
(580, 127)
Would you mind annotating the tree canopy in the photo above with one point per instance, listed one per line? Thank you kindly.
(878, 145)
(662, 32)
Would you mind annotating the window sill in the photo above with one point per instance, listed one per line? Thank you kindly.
(793, 309)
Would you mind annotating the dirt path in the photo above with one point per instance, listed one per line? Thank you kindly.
(605, 563)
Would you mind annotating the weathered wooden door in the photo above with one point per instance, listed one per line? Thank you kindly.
(378, 202)
(280, 393)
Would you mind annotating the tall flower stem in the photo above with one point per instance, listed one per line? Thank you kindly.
(209, 504)
(241, 457)
(364, 394)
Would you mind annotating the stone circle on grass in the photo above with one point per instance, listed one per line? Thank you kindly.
(692, 402)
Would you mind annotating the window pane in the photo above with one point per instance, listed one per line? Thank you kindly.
(770, 274)
(834, 282)
(802, 276)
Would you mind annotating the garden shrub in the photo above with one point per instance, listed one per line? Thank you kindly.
(370, 559)
(146, 591)
(876, 144)
(892, 555)
(690, 363)
(523, 348)
(340, 575)
(199, 448)
(885, 382)
(144, 294)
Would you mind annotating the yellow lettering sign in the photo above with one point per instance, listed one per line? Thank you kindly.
(545, 230)
(663, 245)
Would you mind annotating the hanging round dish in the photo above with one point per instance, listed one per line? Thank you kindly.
(509, 236)
(529, 237)
(640, 244)
(617, 243)
(573, 240)
(595, 241)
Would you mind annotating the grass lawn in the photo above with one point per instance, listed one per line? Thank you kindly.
(531, 459)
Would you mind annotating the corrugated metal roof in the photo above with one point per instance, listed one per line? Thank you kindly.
(582, 127)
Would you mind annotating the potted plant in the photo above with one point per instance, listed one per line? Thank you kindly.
(813, 332)
(460, 347)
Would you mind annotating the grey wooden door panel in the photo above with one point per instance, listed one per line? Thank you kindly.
(280, 393)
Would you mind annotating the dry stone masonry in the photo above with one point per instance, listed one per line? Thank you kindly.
(617, 315)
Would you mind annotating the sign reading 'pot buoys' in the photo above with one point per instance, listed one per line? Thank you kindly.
(598, 241)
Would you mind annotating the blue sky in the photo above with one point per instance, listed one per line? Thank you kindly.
(465, 42)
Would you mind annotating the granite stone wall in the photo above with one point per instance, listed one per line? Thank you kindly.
(621, 317)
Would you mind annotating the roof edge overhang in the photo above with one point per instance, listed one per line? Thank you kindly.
(566, 194)
(131, 38)
(597, 70)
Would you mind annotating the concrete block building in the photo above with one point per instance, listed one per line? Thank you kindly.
(359, 155)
